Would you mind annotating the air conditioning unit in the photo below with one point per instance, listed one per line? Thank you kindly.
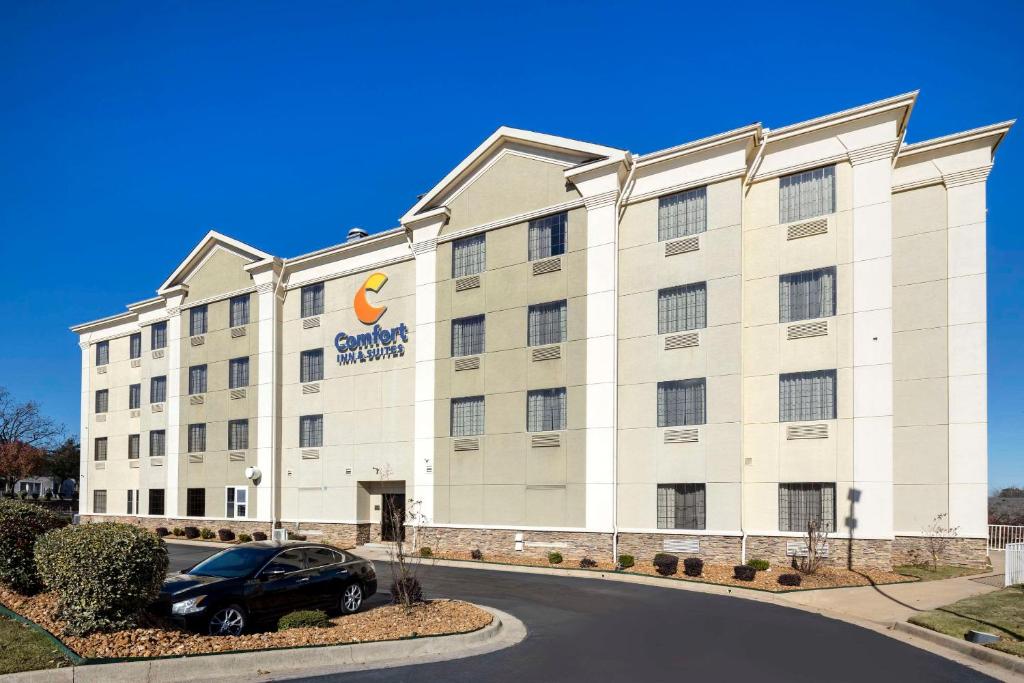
(279, 535)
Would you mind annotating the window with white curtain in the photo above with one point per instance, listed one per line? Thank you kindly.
(547, 236)
(238, 373)
(467, 417)
(238, 310)
(157, 443)
(682, 214)
(197, 320)
(804, 502)
(546, 323)
(196, 438)
(99, 449)
(158, 335)
(545, 410)
(133, 446)
(683, 308)
(313, 300)
(807, 194)
(238, 435)
(311, 365)
(469, 255)
(807, 294)
(158, 389)
(681, 402)
(197, 379)
(237, 499)
(134, 396)
(468, 336)
(807, 396)
(99, 501)
(311, 431)
(681, 506)
(135, 345)
(102, 353)
(102, 400)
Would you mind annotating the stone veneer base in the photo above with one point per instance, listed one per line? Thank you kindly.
(967, 552)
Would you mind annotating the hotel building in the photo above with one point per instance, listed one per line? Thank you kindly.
(566, 345)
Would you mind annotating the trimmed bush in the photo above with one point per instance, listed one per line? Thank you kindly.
(587, 563)
(292, 536)
(426, 552)
(206, 534)
(21, 525)
(789, 579)
(225, 535)
(103, 574)
(259, 536)
(666, 564)
(244, 538)
(177, 531)
(693, 566)
(476, 554)
(758, 564)
(161, 531)
(555, 558)
(626, 561)
(743, 572)
(308, 618)
(191, 532)
(409, 586)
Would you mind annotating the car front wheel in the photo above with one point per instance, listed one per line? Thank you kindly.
(351, 598)
(228, 621)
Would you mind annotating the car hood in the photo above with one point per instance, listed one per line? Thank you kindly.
(185, 585)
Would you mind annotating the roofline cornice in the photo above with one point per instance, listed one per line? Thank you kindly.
(751, 131)
(906, 100)
(997, 130)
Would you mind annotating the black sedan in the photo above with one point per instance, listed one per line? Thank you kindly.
(257, 583)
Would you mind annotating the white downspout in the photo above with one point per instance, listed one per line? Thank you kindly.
(278, 327)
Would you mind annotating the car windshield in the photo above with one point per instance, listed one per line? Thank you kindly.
(231, 563)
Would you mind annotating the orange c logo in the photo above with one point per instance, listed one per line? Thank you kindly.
(367, 313)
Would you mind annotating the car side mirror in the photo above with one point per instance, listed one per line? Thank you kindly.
(272, 574)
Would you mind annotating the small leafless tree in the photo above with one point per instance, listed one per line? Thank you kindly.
(406, 589)
(25, 435)
(938, 537)
(817, 543)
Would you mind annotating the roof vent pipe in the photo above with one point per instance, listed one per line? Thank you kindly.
(356, 234)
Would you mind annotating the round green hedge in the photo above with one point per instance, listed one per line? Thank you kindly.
(21, 525)
(103, 574)
(312, 618)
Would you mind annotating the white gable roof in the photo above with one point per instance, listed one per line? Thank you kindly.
(206, 245)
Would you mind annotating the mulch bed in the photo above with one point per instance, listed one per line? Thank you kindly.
(826, 577)
(156, 639)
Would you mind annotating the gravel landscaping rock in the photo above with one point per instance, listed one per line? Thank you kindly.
(155, 639)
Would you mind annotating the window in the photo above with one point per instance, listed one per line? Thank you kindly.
(289, 561)
(311, 431)
(237, 502)
(321, 557)
(99, 501)
(311, 365)
(135, 345)
(195, 503)
(545, 410)
(682, 214)
(156, 502)
(802, 503)
(197, 320)
(158, 389)
(238, 373)
(807, 294)
(157, 443)
(681, 506)
(134, 445)
(468, 336)
(158, 335)
(99, 451)
(196, 438)
(134, 396)
(238, 310)
(197, 379)
(131, 502)
(683, 308)
(467, 416)
(238, 435)
(546, 323)
(807, 396)
(469, 255)
(807, 194)
(102, 400)
(681, 403)
(313, 300)
(547, 236)
(102, 353)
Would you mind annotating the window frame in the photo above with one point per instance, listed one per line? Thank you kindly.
(462, 431)
(137, 440)
(231, 502)
(96, 506)
(555, 247)
(240, 299)
(797, 413)
(311, 353)
(316, 304)
(536, 333)
(135, 396)
(468, 264)
(102, 353)
(163, 442)
(828, 204)
(480, 344)
(200, 429)
(241, 361)
(96, 448)
(548, 394)
(105, 394)
(192, 499)
(304, 437)
(198, 320)
(790, 281)
(666, 323)
(804, 487)
(150, 499)
(697, 510)
(693, 201)
(662, 410)
(135, 345)
(158, 381)
(161, 338)
(198, 376)
(232, 445)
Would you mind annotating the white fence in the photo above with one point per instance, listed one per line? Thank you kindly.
(1001, 534)
(1014, 564)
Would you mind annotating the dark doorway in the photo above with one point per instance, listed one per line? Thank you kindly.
(392, 517)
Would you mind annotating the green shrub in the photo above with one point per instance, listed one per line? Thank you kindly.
(21, 525)
(177, 531)
(206, 534)
(103, 574)
(626, 561)
(244, 538)
(758, 564)
(742, 572)
(425, 551)
(309, 618)
(225, 535)
(693, 566)
(666, 564)
(191, 532)
(555, 558)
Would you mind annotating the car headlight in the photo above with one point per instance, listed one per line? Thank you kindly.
(190, 606)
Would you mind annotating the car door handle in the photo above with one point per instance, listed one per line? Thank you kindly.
(304, 579)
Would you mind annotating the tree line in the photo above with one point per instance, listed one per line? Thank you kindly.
(32, 445)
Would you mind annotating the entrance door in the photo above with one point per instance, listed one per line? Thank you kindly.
(392, 517)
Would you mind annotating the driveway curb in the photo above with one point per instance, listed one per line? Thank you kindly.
(985, 654)
(503, 631)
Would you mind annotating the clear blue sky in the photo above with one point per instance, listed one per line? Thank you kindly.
(128, 130)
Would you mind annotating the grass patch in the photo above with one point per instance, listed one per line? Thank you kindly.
(1000, 612)
(22, 649)
(943, 571)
